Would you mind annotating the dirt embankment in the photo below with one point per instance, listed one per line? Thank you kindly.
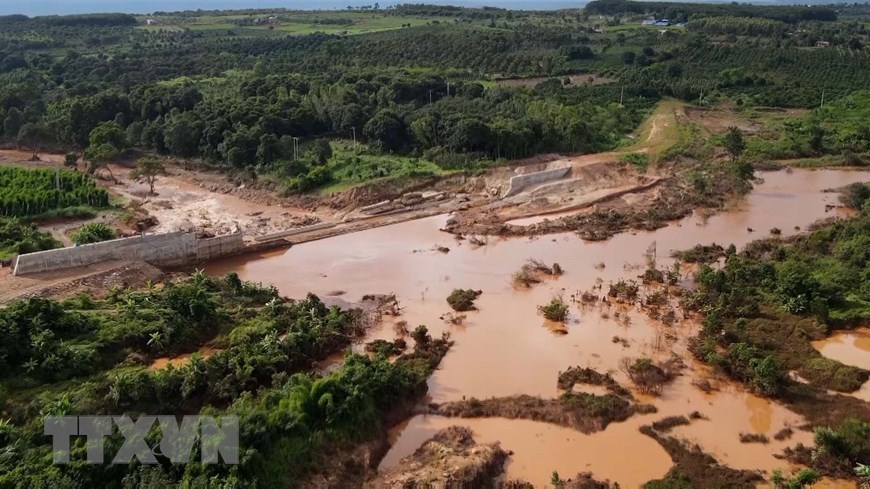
(452, 459)
(586, 413)
(449, 459)
(581, 411)
(96, 280)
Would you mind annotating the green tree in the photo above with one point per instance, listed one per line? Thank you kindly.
(734, 143)
(109, 133)
(321, 151)
(387, 130)
(147, 169)
(182, 135)
(98, 158)
(34, 136)
(817, 137)
(71, 160)
(13, 122)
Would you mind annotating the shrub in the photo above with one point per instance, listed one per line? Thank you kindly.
(855, 195)
(556, 310)
(463, 299)
(94, 232)
(18, 238)
(638, 160)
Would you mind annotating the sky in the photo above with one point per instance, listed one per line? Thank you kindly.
(63, 7)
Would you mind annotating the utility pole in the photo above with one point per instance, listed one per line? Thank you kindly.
(430, 97)
(621, 93)
(57, 176)
(823, 99)
(295, 148)
(448, 89)
(354, 134)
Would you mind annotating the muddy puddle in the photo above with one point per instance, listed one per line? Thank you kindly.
(506, 348)
(540, 448)
(850, 348)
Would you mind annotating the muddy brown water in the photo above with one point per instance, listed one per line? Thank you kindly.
(851, 348)
(507, 348)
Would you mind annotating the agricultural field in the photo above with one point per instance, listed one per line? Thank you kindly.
(34, 193)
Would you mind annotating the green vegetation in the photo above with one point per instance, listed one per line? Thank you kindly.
(841, 448)
(765, 305)
(804, 478)
(463, 299)
(555, 310)
(93, 232)
(289, 419)
(639, 160)
(414, 85)
(34, 192)
(147, 170)
(838, 129)
(17, 238)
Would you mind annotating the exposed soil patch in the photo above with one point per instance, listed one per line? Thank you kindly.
(451, 458)
(180, 360)
(583, 480)
(95, 280)
(578, 79)
(646, 210)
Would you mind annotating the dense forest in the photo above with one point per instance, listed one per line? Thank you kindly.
(235, 88)
(264, 347)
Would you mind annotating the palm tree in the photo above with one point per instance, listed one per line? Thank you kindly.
(156, 340)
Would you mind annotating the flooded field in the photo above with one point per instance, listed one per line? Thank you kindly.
(507, 348)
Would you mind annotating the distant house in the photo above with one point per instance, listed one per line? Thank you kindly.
(823, 44)
(656, 22)
(150, 21)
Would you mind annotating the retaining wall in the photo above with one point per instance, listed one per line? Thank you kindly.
(210, 248)
(162, 250)
(519, 182)
(294, 231)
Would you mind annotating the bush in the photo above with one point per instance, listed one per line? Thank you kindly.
(639, 160)
(855, 195)
(17, 238)
(850, 442)
(317, 176)
(94, 232)
(463, 299)
(556, 310)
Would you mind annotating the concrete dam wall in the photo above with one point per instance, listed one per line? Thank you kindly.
(162, 250)
(519, 182)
